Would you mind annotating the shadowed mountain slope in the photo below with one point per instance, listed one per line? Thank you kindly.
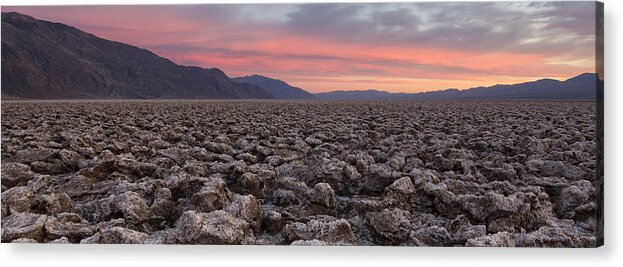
(277, 88)
(46, 60)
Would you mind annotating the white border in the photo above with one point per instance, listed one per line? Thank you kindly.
(181, 256)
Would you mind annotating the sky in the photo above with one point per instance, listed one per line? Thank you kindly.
(396, 47)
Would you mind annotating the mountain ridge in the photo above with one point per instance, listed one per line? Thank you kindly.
(278, 88)
(582, 86)
(49, 60)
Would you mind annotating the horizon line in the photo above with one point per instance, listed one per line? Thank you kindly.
(459, 89)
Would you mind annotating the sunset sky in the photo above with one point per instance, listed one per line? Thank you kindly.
(397, 47)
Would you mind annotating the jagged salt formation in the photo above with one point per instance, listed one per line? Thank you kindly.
(300, 173)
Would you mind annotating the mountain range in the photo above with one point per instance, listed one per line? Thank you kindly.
(583, 86)
(277, 88)
(47, 60)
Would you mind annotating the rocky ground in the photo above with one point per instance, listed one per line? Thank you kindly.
(301, 173)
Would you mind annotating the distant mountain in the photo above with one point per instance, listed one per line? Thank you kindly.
(583, 86)
(356, 94)
(277, 88)
(46, 60)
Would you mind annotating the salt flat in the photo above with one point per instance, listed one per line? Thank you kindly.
(436, 173)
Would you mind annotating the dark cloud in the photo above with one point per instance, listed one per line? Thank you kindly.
(399, 19)
(330, 20)
(225, 14)
(481, 26)
(572, 17)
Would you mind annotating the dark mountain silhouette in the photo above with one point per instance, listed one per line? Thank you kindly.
(583, 86)
(277, 88)
(47, 60)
